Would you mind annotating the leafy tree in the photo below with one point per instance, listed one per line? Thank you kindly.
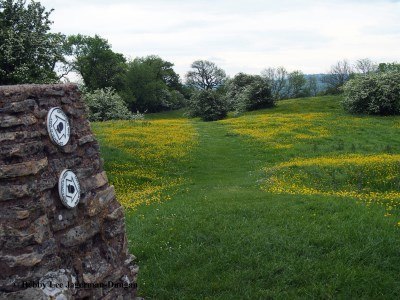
(373, 93)
(278, 80)
(94, 60)
(296, 85)
(28, 51)
(152, 85)
(337, 76)
(164, 71)
(389, 67)
(209, 105)
(205, 75)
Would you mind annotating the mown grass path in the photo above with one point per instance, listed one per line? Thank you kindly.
(224, 163)
(221, 237)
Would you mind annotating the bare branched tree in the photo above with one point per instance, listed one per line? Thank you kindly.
(277, 79)
(312, 85)
(296, 84)
(365, 66)
(338, 75)
(205, 75)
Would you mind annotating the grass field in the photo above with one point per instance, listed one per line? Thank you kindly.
(299, 201)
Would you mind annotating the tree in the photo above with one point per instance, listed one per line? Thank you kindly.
(235, 88)
(312, 85)
(28, 51)
(337, 76)
(296, 85)
(94, 60)
(365, 66)
(373, 93)
(163, 70)
(277, 78)
(151, 84)
(205, 75)
(248, 92)
(389, 67)
(209, 105)
(257, 95)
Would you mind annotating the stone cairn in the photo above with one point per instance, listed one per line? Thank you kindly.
(47, 250)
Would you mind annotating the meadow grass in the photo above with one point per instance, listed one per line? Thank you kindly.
(324, 151)
(143, 157)
(281, 203)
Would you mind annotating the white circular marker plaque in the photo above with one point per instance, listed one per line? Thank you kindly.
(69, 189)
(58, 126)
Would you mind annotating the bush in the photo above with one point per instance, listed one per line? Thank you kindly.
(255, 95)
(249, 92)
(209, 105)
(235, 88)
(374, 93)
(106, 104)
(172, 99)
(258, 95)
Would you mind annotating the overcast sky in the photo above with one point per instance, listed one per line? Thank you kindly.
(240, 36)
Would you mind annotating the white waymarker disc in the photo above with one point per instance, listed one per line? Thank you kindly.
(69, 189)
(58, 126)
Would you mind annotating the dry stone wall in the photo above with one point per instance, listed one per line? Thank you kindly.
(49, 251)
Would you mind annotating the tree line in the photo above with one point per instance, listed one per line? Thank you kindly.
(30, 53)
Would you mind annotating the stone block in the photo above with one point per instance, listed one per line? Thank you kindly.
(10, 121)
(25, 294)
(86, 139)
(79, 234)
(20, 106)
(23, 169)
(94, 182)
(99, 200)
(18, 135)
(21, 149)
(64, 218)
(8, 192)
(22, 260)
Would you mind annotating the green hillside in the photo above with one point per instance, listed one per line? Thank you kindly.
(298, 201)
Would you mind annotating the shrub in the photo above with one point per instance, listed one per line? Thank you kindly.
(209, 105)
(249, 92)
(255, 95)
(374, 93)
(235, 88)
(106, 104)
(172, 99)
(258, 95)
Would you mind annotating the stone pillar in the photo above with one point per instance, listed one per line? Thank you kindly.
(49, 251)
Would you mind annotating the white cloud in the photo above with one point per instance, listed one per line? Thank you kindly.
(239, 35)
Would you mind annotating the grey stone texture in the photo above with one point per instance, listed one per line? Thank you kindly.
(81, 251)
